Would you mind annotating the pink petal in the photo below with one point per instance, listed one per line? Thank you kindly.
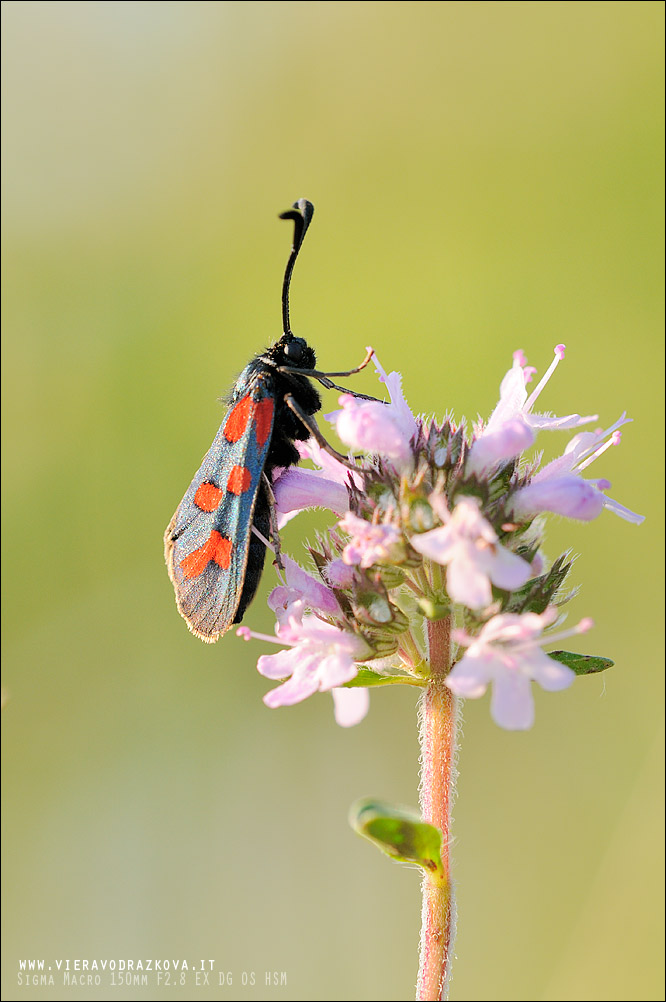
(506, 569)
(297, 489)
(466, 583)
(470, 676)
(373, 428)
(625, 513)
(298, 688)
(280, 665)
(567, 495)
(551, 675)
(339, 574)
(329, 467)
(436, 544)
(287, 605)
(511, 703)
(335, 670)
(543, 421)
(315, 593)
(512, 397)
(351, 705)
(407, 421)
(492, 447)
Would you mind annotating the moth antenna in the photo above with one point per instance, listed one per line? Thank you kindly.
(301, 212)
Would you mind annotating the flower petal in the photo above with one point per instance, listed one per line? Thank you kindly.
(506, 569)
(468, 584)
(551, 675)
(625, 513)
(374, 428)
(493, 447)
(436, 544)
(328, 466)
(512, 397)
(334, 670)
(314, 592)
(567, 494)
(350, 705)
(298, 688)
(297, 489)
(339, 574)
(282, 664)
(470, 676)
(511, 703)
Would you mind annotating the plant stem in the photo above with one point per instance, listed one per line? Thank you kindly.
(437, 735)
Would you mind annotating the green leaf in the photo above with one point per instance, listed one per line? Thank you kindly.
(400, 833)
(367, 678)
(582, 664)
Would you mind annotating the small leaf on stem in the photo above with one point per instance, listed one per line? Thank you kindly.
(367, 678)
(582, 664)
(400, 833)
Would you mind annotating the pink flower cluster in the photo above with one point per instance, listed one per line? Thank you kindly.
(430, 524)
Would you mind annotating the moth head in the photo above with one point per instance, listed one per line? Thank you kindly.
(296, 352)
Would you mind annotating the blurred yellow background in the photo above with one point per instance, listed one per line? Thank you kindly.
(486, 177)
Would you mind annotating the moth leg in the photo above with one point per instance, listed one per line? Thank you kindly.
(330, 385)
(275, 535)
(350, 372)
(311, 425)
(327, 382)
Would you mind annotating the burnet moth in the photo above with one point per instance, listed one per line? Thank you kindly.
(214, 544)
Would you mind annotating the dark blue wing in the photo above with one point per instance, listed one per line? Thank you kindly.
(207, 540)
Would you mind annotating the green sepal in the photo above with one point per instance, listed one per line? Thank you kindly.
(391, 576)
(367, 678)
(582, 664)
(400, 833)
(540, 592)
(432, 608)
(382, 645)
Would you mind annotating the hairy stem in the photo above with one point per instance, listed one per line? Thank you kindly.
(437, 717)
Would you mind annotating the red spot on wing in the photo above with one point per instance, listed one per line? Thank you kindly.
(215, 548)
(263, 417)
(237, 420)
(221, 550)
(240, 480)
(208, 497)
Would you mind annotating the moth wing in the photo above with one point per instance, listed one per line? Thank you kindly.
(206, 543)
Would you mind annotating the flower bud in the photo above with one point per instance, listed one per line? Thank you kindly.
(374, 609)
(421, 516)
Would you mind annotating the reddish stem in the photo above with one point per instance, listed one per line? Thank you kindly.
(437, 715)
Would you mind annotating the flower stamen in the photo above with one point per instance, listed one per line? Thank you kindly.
(559, 355)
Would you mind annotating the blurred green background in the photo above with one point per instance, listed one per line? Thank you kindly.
(486, 177)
